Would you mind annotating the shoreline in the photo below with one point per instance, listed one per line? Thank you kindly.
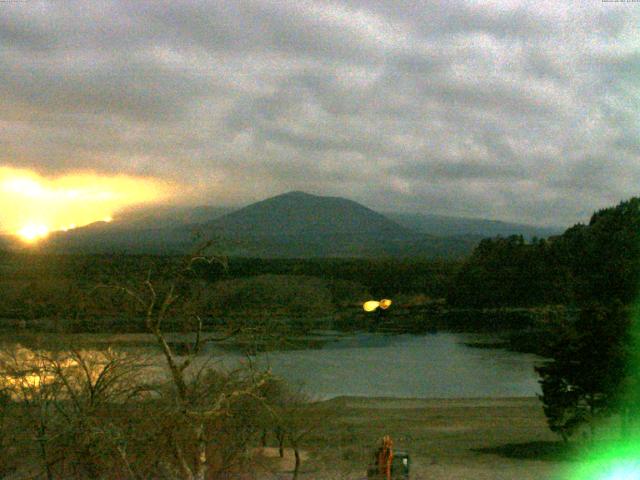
(447, 439)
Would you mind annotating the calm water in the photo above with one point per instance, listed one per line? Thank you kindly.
(377, 365)
(426, 366)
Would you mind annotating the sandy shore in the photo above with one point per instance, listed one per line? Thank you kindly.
(461, 439)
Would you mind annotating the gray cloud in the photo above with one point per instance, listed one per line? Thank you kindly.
(523, 111)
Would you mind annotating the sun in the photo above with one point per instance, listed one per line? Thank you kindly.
(33, 206)
(33, 232)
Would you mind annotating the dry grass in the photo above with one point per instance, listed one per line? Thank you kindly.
(447, 439)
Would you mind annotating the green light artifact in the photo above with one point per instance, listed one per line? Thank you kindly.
(619, 458)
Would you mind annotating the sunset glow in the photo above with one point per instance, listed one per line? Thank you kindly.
(32, 206)
(32, 233)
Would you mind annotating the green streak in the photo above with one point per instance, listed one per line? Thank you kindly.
(619, 458)
(616, 461)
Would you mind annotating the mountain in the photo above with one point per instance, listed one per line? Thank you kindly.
(161, 229)
(442, 225)
(304, 215)
(298, 224)
(166, 216)
(6, 242)
(294, 224)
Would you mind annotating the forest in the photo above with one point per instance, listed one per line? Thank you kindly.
(592, 367)
(595, 262)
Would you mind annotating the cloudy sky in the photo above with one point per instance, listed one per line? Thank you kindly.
(525, 111)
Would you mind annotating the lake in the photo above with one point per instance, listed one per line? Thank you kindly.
(436, 365)
(423, 366)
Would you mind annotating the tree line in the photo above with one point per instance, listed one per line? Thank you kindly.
(593, 370)
(597, 262)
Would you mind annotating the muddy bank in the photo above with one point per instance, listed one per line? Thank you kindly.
(504, 438)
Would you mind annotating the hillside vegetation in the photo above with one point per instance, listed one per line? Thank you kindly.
(595, 262)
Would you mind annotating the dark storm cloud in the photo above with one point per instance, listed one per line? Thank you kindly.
(523, 111)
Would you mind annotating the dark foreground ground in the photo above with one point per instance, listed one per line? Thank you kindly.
(471, 439)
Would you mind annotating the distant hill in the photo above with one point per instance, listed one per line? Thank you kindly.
(162, 216)
(161, 229)
(167, 216)
(307, 216)
(294, 224)
(5, 242)
(442, 225)
(297, 224)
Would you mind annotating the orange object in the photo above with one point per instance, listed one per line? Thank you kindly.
(385, 457)
(385, 303)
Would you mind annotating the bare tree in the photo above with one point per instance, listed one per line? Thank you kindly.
(291, 418)
(31, 385)
(106, 414)
(5, 401)
(67, 399)
(94, 384)
(197, 401)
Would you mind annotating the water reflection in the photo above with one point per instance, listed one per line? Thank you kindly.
(370, 364)
(429, 366)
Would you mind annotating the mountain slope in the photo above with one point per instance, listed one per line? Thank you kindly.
(307, 216)
(443, 225)
(159, 230)
(298, 224)
(167, 216)
(293, 224)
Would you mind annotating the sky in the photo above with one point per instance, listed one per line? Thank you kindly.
(525, 111)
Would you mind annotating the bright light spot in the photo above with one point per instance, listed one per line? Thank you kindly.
(32, 206)
(385, 303)
(373, 305)
(616, 460)
(370, 306)
(32, 233)
(627, 471)
(23, 186)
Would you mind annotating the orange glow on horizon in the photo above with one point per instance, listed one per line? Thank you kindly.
(32, 233)
(32, 206)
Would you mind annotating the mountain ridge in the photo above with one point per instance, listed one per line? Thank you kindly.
(292, 224)
(304, 214)
(446, 225)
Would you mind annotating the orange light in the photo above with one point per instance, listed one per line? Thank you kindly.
(373, 305)
(32, 233)
(385, 303)
(32, 206)
(370, 306)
